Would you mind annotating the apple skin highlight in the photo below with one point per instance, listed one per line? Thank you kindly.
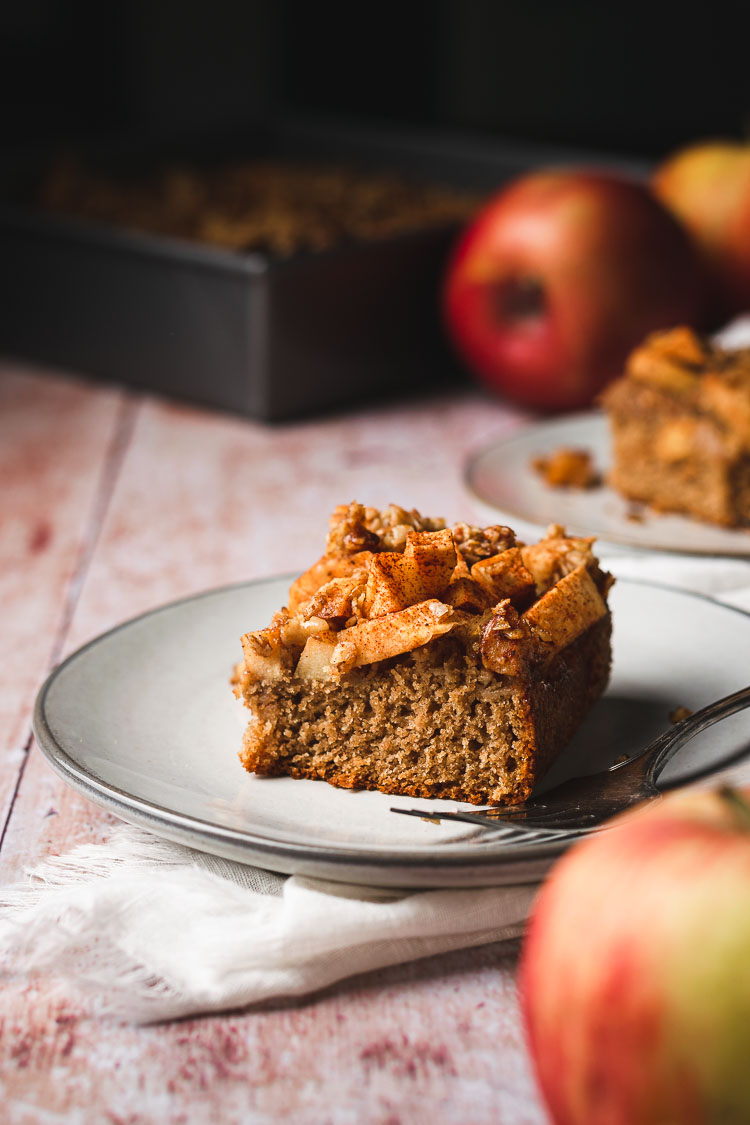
(635, 971)
(559, 276)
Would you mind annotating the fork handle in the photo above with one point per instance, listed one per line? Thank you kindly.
(663, 749)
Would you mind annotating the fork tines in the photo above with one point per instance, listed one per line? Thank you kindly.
(487, 818)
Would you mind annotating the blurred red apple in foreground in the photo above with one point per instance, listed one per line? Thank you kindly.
(707, 186)
(635, 973)
(560, 275)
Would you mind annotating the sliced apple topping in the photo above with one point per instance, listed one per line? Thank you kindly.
(511, 642)
(392, 634)
(555, 556)
(505, 576)
(315, 661)
(566, 611)
(362, 606)
(461, 569)
(670, 360)
(423, 571)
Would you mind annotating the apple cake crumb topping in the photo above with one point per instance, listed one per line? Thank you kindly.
(354, 528)
(394, 580)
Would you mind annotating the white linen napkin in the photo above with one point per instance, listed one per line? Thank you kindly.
(158, 931)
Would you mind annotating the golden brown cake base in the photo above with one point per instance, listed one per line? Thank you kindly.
(430, 723)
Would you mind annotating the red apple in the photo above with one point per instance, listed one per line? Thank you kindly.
(707, 186)
(560, 275)
(635, 971)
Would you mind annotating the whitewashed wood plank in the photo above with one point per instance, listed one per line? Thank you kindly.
(56, 435)
(438, 1041)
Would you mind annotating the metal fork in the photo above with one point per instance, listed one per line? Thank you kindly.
(586, 803)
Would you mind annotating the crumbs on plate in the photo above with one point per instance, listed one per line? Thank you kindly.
(568, 468)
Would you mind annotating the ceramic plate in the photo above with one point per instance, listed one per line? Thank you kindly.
(143, 722)
(502, 478)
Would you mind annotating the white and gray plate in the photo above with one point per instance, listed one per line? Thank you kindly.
(142, 721)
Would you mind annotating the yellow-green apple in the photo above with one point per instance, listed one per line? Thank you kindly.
(635, 970)
(707, 186)
(559, 276)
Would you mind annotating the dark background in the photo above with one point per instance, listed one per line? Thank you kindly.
(606, 76)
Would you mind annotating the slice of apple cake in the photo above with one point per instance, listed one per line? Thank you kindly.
(680, 424)
(419, 659)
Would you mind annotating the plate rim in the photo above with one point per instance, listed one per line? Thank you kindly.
(590, 418)
(424, 867)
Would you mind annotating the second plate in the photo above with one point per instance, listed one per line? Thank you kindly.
(502, 477)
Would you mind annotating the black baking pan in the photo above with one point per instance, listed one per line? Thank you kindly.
(245, 332)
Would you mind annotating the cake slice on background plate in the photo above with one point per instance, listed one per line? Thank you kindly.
(419, 659)
(680, 424)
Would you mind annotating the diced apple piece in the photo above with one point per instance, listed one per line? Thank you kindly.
(392, 634)
(393, 583)
(434, 555)
(315, 661)
(467, 595)
(504, 575)
(681, 344)
(263, 654)
(397, 580)
(566, 611)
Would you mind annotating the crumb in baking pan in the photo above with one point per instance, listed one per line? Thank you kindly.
(277, 207)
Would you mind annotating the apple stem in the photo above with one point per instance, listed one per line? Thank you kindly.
(738, 805)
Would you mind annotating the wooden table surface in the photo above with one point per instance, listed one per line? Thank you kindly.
(114, 502)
